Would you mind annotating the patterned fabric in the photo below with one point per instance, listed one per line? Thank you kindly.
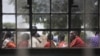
(94, 41)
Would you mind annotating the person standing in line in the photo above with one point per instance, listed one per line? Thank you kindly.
(76, 40)
(24, 41)
(50, 42)
(35, 41)
(95, 41)
(62, 43)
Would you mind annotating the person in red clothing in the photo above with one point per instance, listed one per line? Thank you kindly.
(76, 40)
(49, 42)
(7, 40)
(8, 43)
(62, 43)
(24, 42)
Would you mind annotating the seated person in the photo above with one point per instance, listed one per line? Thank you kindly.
(62, 43)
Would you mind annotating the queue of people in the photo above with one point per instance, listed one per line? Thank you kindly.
(49, 40)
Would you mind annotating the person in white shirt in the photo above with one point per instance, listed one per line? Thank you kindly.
(34, 42)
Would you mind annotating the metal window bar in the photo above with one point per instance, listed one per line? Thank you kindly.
(30, 17)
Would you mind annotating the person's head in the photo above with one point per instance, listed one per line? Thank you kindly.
(25, 36)
(8, 34)
(97, 32)
(73, 34)
(61, 37)
(50, 36)
(34, 30)
(37, 35)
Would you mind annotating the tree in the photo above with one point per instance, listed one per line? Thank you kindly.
(9, 25)
(91, 18)
(60, 21)
(43, 6)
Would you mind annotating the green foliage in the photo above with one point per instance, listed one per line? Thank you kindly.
(9, 25)
(58, 21)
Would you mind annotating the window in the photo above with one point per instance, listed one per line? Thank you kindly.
(49, 22)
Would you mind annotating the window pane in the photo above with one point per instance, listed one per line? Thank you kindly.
(8, 6)
(22, 6)
(78, 6)
(40, 6)
(8, 21)
(77, 21)
(91, 21)
(23, 39)
(60, 39)
(41, 21)
(22, 21)
(8, 39)
(59, 6)
(91, 6)
(59, 21)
